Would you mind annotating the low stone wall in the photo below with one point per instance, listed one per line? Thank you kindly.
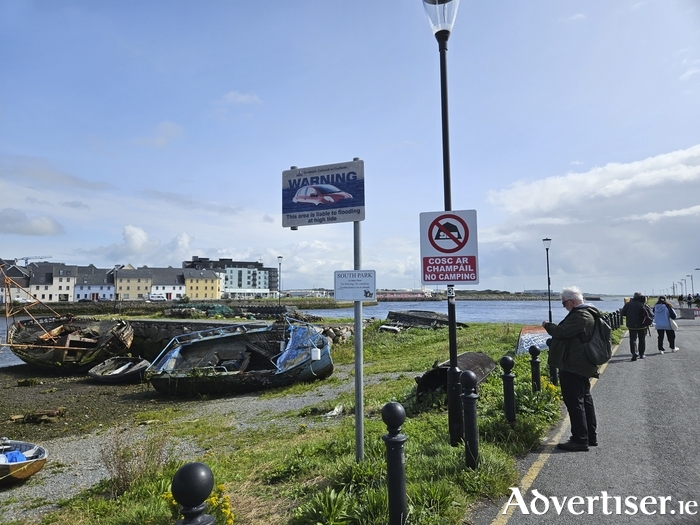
(687, 313)
(151, 336)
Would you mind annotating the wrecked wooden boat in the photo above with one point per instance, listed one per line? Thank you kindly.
(69, 344)
(120, 369)
(419, 318)
(20, 460)
(241, 358)
(435, 379)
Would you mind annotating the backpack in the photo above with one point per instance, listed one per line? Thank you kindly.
(647, 316)
(599, 349)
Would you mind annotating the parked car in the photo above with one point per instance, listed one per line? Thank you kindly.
(157, 297)
(320, 194)
(85, 300)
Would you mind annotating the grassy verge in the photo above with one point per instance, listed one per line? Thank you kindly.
(303, 472)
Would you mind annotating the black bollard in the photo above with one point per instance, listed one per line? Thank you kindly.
(393, 415)
(191, 486)
(471, 428)
(535, 366)
(508, 388)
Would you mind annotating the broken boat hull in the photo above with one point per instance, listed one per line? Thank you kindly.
(69, 344)
(240, 359)
(120, 370)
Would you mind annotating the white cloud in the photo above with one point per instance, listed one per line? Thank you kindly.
(611, 181)
(693, 211)
(34, 172)
(17, 222)
(163, 134)
(78, 205)
(689, 73)
(573, 18)
(240, 99)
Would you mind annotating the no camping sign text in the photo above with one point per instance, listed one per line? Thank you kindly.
(449, 247)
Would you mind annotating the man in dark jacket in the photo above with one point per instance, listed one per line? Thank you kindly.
(575, 369)
(632, 311)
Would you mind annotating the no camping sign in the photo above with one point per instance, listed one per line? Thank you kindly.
(449, 247)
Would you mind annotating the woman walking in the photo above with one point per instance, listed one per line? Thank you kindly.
(663, 314)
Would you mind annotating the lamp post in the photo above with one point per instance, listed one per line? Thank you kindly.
(547, 243)
(441, 15)
(692, 284)
(553, 376)
(685, 286)
(279, 280)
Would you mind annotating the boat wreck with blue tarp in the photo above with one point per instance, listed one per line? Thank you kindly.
(241, 358)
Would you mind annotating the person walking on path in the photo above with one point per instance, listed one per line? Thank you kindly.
(663, 313)
(575, 369)
(632, 311)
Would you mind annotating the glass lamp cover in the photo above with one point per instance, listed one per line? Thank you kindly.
(547, 243)
(441, 13)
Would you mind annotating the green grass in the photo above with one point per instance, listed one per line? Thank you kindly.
(309, 476)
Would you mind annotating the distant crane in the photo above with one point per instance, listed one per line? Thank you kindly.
(29, 257)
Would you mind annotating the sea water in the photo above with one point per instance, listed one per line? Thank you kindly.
(516, 312)
(7, 358)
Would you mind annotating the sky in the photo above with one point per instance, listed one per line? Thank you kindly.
(149, 132)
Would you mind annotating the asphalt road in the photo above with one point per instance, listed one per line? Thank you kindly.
(649, 447)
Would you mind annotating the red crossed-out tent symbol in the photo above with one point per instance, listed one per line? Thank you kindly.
(450, 231)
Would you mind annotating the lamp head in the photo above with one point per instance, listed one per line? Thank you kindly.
(441, 14)
(547, 243)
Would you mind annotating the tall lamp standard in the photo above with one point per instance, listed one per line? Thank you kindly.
(279, 280)
(692, 284)
(441, 15)
(547, 243)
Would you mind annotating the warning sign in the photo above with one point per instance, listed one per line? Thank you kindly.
(449, 248)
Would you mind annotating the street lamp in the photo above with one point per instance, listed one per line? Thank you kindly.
(279, 280)
(553, 376)
(692, 285)
(441, 15)
(547, 243)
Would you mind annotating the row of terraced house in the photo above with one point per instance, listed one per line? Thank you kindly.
(199, 279)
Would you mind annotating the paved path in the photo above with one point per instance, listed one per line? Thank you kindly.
(649, 434)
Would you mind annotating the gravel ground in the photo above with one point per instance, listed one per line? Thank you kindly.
(74, 441)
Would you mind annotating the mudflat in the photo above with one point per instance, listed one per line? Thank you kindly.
(38, 405)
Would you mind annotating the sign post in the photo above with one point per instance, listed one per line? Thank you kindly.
(449, 255)
(330, 194)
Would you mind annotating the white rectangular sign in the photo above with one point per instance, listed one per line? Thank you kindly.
(355, 285)
(326, 194)
(449, 247)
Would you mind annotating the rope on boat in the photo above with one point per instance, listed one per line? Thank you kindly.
(29, 463)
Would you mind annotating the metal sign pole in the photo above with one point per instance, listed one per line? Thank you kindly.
(359, 380)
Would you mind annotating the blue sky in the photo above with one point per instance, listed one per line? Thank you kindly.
(149, 132)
